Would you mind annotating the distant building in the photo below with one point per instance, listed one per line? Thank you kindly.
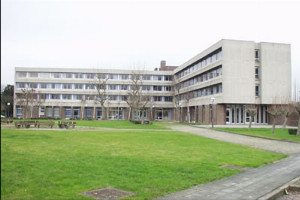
(232, 73)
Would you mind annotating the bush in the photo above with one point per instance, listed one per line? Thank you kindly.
(292, 131)
(140, 122)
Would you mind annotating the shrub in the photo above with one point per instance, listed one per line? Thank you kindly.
(140, 122)
(292, 131)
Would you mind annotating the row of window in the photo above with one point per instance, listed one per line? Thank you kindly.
(93, 97)
(210, 90)
(81, 86)
(205, 61)
(202, 77)
(93, 76)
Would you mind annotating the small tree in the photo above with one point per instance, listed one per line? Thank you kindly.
(275, 111)
(297, 108)
(252, 111)
(187, 97)
(101, 86)
(7, 96)
(176, 86)
(287, 112)
(27, 99)
(137, 99)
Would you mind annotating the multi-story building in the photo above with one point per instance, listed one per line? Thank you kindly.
(217, 83)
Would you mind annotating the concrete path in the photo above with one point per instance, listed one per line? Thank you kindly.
(252, 184)
(259, 143)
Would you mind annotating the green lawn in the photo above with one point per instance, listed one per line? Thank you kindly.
(264, 132)
(40, 164)
(119, 124)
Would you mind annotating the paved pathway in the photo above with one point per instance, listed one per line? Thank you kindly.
(259, 143)
(251, 184)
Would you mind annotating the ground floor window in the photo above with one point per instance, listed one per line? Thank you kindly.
(162, 114)
(49, 112)
(88, 112)
(56, 112)
(236, 114)
(68, 113)
(137, 114)
(115, 113)
(19, 112)
(76, 113)
(99, 113)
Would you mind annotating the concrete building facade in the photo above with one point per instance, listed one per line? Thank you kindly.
(216, 84)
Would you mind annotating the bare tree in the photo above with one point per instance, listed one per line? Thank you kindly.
(187, 97)
(287, 112)
(275, 111)
(137, 99)
(297, 108)
(101, 86)
(26, 99)
(252, 111)
(176, 86)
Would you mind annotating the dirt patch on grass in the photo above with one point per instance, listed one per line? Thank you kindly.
(107, 193)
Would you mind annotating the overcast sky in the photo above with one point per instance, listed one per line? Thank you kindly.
(136, 34)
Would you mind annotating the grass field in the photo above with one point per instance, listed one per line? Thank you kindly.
(264, 132)
(119, 124)
(61, 164)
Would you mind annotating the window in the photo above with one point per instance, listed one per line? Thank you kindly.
(67, 96)
(78, 86)
(124, 76)
(55, 75)
(90, 76)
(32, 85)
(123, 87)
(257, 90)
(33, 74)
(68, 112)
(168, 78)
(49, 112)
(157, 88)
(157, 98)
(66, 86)
(146, 77)
(77, 96)
(45, 75)
(256, 54)
(56, 112)
(113, 87)
(146, 87)
(157, 78)
(168, 88)
(113, 76)
(78, 75)
(41, 111)
(256, 73)
(169, 99)
(113, 97)
(22, 74)
(43, 85)
(19, 112)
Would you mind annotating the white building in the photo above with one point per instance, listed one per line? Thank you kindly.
(233, 73)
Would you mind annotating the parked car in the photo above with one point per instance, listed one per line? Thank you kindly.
(2, 116)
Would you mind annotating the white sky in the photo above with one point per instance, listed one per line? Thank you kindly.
(127, 34)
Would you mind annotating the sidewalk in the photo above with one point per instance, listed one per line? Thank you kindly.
(252, 184)
(259, 143)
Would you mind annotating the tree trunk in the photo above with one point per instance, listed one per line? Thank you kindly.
(142, 122)
(129, 113)
(250, 124)
(188, 115)
(298, 132)
(273, 125)
(284, 123)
